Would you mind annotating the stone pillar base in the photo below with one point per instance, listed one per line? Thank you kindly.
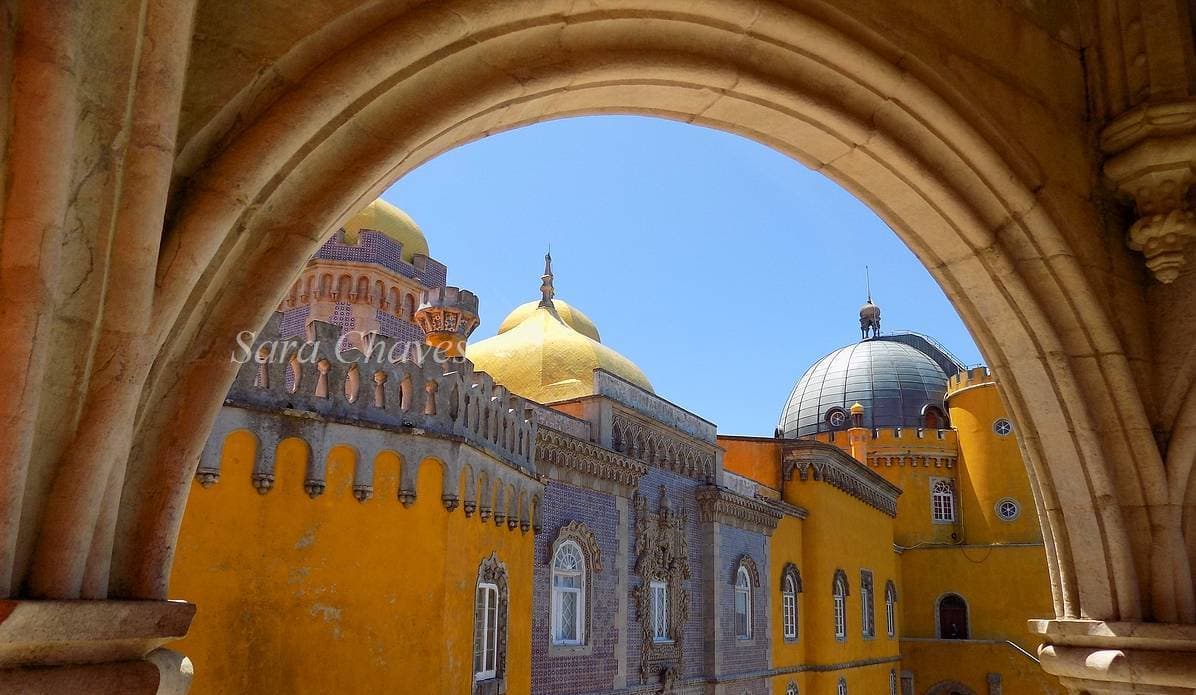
(1093, 657)
(93, 647)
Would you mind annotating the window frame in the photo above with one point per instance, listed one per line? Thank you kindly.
(840, 591)
(942, 503)
(841, 688)
(743, 588)
(559, 592)
(867, 605)
(660, 612)
(890, 609)
(789, 608)
(488, 634)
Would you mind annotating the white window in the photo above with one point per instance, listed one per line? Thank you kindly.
(568, 594)
(743, 604)
(842, 686)
(892, 682)
(792, 689)
(867, 605)
(660, 612)
(840, 607)
(789, 608)
(1008, 509)
(891, 610)
(942, 500)
(485, 632)
(1002, 427)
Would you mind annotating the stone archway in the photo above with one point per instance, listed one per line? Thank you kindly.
(363, 99)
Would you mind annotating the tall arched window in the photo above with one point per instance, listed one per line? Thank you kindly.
(840, 590)
(867, 605)
(792, 689)
(842, 686)
(891, 609)
(892, 682)
(789, 607)
(490, 627)
(568, 594)
(942, 500)
(953, 617)
(743, 604)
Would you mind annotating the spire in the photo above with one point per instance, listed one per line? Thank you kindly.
(546, 289)
(869, 313)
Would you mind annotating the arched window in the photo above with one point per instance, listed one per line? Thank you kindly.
(743, 604)
(867, 605)
(890, 609)
(942, 500)
(490, 626)
(953, 617)
(842, 690)
(568, 594)
(409, 307)
(892, 682)
(792, 689)
(933, 418)
(485, 636)
(789, 607)
(840, 590)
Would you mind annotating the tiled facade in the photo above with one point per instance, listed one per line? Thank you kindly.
(739, 656)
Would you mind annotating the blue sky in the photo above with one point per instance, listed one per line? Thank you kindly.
(721, 267)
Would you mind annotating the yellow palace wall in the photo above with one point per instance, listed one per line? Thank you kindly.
(287, 586)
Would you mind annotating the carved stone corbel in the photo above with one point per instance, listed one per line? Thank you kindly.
(1152, 159)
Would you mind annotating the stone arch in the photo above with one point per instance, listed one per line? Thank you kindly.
(969, 204)
(790, 571)
(746, 561)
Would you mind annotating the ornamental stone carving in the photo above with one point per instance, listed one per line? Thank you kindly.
(790, 571)
(580, 534)
(1152, 160)
(724, 506)
(662, 554)
(658, 447)
(746, 562)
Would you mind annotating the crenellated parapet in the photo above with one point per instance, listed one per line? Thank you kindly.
(969, 378)
(812, 460)
(387, 384)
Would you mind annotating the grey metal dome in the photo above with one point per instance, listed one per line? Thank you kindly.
(894, 381)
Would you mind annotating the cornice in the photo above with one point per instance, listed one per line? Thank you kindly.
(563, 451)
(829, 464)
(719, 504)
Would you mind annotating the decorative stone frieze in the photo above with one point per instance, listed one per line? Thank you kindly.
(662, 554)
(813, 460)
(556, 449)
(1152, 160)
(662, 447)
(718, 504)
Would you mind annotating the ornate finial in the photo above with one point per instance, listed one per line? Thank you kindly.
(546, 289)
(869, 313)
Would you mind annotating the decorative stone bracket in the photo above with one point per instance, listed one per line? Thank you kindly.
(1152, 159)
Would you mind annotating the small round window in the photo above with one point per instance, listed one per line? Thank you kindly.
(1003, 427)
(836, 418)
(1008, 509)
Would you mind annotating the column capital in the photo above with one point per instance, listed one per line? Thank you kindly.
(1099, 658)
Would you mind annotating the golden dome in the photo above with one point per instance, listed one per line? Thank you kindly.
(546, 360)
(381, 216)
(572, 317)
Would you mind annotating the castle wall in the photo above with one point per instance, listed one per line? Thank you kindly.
(742, 657)
(331, 595)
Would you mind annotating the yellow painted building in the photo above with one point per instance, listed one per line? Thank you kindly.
(526, 515)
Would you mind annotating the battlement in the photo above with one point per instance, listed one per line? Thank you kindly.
(896, 436)
(449, 298)
(974, 376)
(375, 247)
(396, 385)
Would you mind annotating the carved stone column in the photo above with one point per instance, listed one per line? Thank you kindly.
(1093, 657)
(55, 647)
(1152, 159)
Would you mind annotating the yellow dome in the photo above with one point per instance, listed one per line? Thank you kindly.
(381, 216)
(546, 360)
(572, 317)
